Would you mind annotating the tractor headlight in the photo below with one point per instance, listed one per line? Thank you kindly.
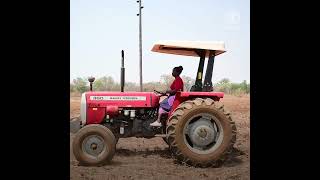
(83, 109)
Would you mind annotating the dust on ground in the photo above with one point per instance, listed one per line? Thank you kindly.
(140, 158)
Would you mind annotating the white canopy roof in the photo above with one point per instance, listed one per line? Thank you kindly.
(187, 48)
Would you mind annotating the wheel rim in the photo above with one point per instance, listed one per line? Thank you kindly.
(93, 146)
(203, 133)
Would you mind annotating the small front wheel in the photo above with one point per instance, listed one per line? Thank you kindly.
(94, 145)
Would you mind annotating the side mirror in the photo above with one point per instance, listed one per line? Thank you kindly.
(91, 80)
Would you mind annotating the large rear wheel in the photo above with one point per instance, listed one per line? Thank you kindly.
(201, 133)
(94, 145)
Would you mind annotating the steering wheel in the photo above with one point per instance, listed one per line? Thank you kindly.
(161, 93)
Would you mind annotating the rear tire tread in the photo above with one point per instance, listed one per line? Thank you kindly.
(184, 108)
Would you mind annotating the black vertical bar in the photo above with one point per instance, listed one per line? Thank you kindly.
(198, 83)
(122, 71)
(207, 84)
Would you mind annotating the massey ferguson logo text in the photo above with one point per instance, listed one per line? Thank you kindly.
(118, 98)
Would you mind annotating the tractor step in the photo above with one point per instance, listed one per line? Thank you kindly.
(160, 135)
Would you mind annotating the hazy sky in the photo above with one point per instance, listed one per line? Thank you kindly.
(100, 29)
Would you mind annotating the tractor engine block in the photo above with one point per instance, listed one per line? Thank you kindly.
(132, 123)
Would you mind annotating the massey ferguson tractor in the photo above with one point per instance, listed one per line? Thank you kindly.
(198, 130)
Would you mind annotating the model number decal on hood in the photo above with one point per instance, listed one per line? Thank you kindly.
(118, 98)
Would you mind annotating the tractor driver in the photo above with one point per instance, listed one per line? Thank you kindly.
(166, 104)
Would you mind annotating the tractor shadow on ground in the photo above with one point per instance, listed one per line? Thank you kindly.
(164, 153)
(234, 160)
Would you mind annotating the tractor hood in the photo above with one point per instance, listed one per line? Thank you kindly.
(122, 99)
(188, 48)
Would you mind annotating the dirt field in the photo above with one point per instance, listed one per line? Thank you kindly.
(139, 158)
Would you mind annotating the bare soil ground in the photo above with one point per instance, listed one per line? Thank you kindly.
(140, 158)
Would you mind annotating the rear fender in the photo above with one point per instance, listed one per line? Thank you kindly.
(184, 96)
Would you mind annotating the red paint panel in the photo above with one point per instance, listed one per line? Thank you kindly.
(95, 115)
(112, 111)
(104, 99)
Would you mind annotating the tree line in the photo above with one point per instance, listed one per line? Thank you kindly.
(107, 83)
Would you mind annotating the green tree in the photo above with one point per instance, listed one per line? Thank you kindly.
(109, 83)
(235, 87)
(105, 83)
(166, 80)
(72, 88)
(80, 84)
(130, 86)
(244, 86)
(224, 81)
(223, 85)
(99, 85)
(188, 82)
(149, 87)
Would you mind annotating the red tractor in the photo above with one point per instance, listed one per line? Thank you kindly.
(198, 130)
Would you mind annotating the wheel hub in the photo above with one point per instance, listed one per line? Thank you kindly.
(202, 133)
(93, 145)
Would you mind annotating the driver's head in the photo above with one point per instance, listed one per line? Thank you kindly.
(176, 71)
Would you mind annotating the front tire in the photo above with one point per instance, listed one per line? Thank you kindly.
(94, 145)
(201, 133)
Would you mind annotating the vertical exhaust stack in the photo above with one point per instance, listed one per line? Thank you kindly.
(122, 71)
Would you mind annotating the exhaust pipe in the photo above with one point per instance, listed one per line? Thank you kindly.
(122, 71)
